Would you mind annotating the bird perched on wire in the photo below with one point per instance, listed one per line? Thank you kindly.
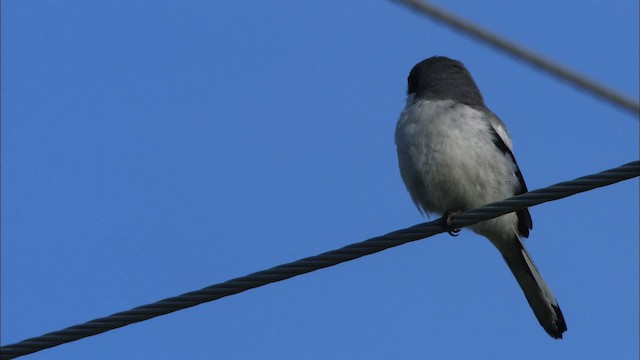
(455, 155)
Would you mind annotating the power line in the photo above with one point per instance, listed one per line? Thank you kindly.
(528, 56)
(309, 264)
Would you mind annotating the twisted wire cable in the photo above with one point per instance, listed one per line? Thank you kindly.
(309, 264)
(526, 55)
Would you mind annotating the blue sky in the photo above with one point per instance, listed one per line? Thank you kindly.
(150, 148)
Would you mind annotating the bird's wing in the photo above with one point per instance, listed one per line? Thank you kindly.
(502, 140)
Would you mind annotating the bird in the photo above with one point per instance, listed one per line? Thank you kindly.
(454, 155)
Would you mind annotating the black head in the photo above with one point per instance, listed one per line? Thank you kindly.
(439, 77)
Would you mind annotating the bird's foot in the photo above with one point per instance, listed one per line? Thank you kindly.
(446, 222)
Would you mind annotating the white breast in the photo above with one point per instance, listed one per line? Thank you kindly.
(448, 159)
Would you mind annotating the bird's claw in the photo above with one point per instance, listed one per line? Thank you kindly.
(446, 223)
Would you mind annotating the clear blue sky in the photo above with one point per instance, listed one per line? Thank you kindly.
(151, 148)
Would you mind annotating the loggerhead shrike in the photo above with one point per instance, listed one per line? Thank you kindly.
(455, 155)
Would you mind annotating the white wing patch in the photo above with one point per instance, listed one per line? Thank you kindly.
(504, 135)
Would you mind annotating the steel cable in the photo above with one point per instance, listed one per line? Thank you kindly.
(526, 55)
(309, 264)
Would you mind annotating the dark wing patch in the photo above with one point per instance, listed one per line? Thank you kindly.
(524, 217)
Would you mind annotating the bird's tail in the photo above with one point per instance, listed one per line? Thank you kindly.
(540, 298)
